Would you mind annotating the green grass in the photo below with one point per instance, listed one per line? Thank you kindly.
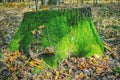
(68, 31)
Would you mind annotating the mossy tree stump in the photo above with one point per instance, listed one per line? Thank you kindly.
(67, 30)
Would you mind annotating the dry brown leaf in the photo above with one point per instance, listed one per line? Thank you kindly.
(49, 50)
(106, 57)
(41, 27)
(80, 67)
(82, 75)
(70, 71)
(74, 59)
(99, 70)
(77, 77)
(100, 59)
(114, 55)
(33, 32)
(40, 76)
(107, 47)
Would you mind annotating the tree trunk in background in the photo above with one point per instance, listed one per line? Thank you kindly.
(77, 2)
(95, 2)
(57, 2)
(30, 3)
(53, 2)
(45, 2)
(111, 1)
(119, 2)
(82, 2)
(37, 5)
(4, 1)
(88, 1)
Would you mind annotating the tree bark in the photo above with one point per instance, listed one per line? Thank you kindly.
(82, 2)
(95, 2)
(37, 5)
(45, 2)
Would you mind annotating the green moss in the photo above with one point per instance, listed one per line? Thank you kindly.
(68, 31)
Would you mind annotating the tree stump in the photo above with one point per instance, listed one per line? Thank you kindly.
(69, 31)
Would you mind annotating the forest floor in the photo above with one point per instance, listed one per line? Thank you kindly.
(15, 66)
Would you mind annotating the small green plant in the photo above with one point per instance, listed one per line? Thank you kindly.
(117, 69)
(10, 78)
(104, 8)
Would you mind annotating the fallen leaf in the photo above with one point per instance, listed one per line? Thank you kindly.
(56, 75)
(41, 27)
(77, 77)
(99, 70)
(70, 71)
(95, 62)
(106, 57)
(17, 53)
(47, 73)
(114, 55)
(49, 50)
(41, 67)
(82, 75)
(33, 32)
(32, 63)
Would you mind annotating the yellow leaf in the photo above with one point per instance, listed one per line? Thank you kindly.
(17, 52)
(23, 57)
(107, 57)
(47, 74)
(44, 8)
(94, 61)
(56, 75)
(12, 58)
(40, 67)
(82, 75)
(32, 63)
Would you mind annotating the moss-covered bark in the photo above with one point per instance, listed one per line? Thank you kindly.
(68, 31)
